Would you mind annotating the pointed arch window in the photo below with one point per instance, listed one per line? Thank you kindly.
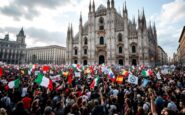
(119, 37)
(120, 50)
(76, 52)
(85, 51)
(101, 40)
(133, 49)
(120, 62)
(85, 41)
(101, 20)
(85, 62)
(101, 23)
(75, 61)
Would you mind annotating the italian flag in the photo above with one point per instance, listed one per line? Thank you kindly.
(146, 73)
(94, 82)
(132, 68)
(32, 68)
(141, 67)
(44, 81)
(91, 69)
(14, 84)
(76, 67)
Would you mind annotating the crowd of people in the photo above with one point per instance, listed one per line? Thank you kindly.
(73, 94)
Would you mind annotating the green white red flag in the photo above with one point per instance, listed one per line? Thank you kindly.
(32, 68)
(44, 81)
(14, 84)
(94, 82)
(146, 73)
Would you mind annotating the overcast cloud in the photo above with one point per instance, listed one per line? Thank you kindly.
(28, 8)
(46, 21)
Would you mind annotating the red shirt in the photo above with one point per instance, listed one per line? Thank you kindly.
(27, 102)
(79, 93)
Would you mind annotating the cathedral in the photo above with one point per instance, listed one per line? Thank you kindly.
(112, 38)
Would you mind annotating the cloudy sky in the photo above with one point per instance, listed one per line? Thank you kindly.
(45, 21)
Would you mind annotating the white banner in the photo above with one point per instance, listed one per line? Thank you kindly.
(164, 71)
(55, 78)
(133, 79)
(158, 76)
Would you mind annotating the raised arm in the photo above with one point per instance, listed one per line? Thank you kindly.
(153, 108)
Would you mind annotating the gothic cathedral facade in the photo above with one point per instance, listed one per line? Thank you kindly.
(112, 38)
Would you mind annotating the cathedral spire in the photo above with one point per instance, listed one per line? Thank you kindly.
(133, 20)
(143, 15)
(68, 32)
(138, 16)
(144, 19)
(154, 29)
(108, 4)
(126, 8)
(93, 6)
(71, 30)
(123, 7)
(80, 17)
(139, 19)
(112, 3)
(150, 26)
(69, 27)
(90, 7)
(81, 24)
